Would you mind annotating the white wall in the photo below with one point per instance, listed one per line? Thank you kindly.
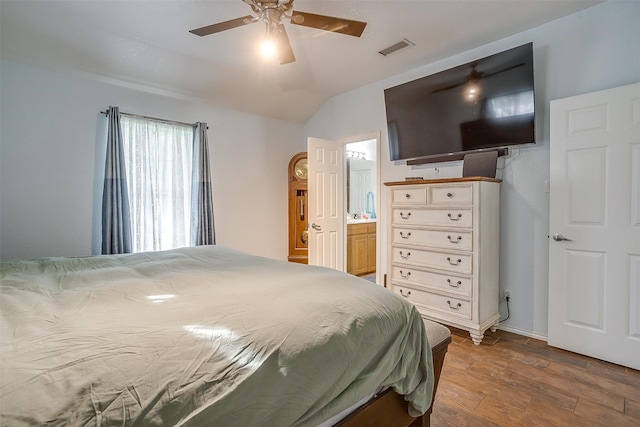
(588, 51)
(52, 161)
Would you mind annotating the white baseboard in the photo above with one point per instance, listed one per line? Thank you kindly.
(524, 332)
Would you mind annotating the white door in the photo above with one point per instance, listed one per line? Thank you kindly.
(594, 225)
(326, 203)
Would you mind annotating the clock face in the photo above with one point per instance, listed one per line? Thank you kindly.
(301, 168)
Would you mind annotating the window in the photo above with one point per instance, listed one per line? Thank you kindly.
(511, 105)
(158, 160)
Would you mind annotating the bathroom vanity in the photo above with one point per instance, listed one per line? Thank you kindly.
(361, 246)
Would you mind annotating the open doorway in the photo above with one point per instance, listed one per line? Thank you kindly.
(361, 191)
(329, 215)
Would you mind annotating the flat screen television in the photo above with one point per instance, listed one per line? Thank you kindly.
(484, 104)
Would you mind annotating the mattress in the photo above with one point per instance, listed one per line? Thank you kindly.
(200, 336)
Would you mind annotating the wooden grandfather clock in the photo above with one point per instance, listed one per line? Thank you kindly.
(298, 234)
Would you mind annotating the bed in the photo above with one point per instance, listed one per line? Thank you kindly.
(207, 336)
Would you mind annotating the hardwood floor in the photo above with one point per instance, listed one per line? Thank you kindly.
(512, 380)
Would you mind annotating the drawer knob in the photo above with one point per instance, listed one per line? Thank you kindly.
(405, 276)
(405, 236)
(456, 218)
(405, 256)
(456, 262)
(454, 240)
(403, 216)
(406, 295)
(408, 196)
(449, 195)
(454, 307)
(454, 285)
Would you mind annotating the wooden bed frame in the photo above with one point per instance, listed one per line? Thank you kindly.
(389, 409)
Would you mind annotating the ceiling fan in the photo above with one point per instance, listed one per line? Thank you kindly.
(474, 77)
(272, 12)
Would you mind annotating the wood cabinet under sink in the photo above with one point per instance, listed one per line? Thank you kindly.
(361, 248)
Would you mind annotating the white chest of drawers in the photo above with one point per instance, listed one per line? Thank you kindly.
(444, 249)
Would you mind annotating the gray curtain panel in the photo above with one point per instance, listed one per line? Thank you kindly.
(116, 219)
(202, 228)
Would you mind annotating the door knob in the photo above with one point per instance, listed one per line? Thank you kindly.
(559, 238)
(316, 227)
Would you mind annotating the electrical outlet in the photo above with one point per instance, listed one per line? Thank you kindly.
(506, 294)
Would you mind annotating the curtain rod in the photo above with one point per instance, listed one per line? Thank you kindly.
(155, 119)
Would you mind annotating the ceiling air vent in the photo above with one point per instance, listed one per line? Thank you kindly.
(396, 47)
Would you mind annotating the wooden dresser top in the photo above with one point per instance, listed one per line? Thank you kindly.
(443, 180)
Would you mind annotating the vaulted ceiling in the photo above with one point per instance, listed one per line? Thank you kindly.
(147, 45)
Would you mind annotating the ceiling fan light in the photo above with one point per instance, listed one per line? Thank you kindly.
(268, 49)
(472, 91)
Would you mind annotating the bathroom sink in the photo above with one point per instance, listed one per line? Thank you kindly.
(360, 221)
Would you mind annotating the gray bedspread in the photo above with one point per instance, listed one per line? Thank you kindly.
(199, 336)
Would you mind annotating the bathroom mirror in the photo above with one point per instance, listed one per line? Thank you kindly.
(361, 180)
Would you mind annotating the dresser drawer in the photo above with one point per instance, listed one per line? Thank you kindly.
(446, 282)
(451, 194)
(450, 218)
(445, 304)
(460, 263)
(455, 239)
(409, 196)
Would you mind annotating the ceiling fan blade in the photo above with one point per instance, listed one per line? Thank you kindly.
(449, 87)
(484, 76)
(284, 49)
(223, 26)
(328, 23)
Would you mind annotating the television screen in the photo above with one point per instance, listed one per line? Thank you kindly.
(487, 103)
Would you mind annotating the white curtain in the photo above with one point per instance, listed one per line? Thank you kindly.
(159, 155)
